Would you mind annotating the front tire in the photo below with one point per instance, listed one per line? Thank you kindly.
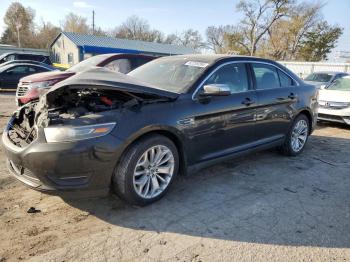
(297, 136)
(146, 170)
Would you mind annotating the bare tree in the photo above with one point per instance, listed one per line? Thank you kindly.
(136, 28)
(217, 37)
(75, 24)
(19, 21)
(259, 17)
(45, 34)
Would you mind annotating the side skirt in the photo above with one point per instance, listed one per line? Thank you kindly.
(196, 167)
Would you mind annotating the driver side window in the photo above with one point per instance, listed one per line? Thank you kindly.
(233, 75)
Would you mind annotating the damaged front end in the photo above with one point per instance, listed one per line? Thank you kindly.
(74, 113)
(67, 139)
(82, 107)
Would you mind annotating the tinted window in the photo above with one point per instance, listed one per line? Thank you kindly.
(18, 70)
(285, 79)
(233, 75)
(266, 76)
(319, 77)
(35, 69)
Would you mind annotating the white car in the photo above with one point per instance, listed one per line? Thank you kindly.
(334, 101)
(324, 78)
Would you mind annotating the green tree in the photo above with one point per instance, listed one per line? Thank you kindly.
(319, 42)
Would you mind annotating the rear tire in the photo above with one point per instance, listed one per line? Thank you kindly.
(146, 170)
(297, 136)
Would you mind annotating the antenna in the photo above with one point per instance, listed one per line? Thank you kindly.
(93, 22)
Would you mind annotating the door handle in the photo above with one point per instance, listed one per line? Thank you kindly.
(247, 102)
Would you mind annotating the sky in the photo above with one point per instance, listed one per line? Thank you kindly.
(169, 16)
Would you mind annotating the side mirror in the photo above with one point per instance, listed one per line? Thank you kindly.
(9, 73)
(216, 90)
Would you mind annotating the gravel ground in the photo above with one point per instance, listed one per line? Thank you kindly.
(263, 207)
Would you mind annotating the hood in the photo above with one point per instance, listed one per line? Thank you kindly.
(334, 95)
(102, 78)
(47, 76)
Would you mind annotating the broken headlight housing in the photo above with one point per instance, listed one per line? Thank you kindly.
(68, 134)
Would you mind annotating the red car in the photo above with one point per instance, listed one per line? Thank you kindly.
(30, 87)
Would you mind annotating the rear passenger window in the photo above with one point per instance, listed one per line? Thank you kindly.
(233, 75)
(266, 76)
(285, 80)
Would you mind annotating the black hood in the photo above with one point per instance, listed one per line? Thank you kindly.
(106, 79)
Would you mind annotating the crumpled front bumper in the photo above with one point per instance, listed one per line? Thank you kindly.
(83, 166)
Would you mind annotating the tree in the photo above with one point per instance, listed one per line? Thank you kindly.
(319, 42)
(75, 24)
(217, 38)
(46, 34)
(20, 26)
(286, 34)
(191, 38)
(136, 28)
(259, 17)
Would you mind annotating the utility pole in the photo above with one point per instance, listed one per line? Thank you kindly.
(93, 22)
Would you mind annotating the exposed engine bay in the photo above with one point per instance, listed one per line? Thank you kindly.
(73, 106)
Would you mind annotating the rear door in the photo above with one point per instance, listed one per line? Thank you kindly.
(277, 96)
(223, 125)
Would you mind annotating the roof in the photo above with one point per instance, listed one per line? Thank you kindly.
(92, 41)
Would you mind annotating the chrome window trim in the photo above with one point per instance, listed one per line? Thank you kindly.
(237, 62)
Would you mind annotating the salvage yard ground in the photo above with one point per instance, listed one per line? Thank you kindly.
(263, 207)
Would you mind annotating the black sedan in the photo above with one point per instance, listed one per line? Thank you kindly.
(11, 73)
(136, 132)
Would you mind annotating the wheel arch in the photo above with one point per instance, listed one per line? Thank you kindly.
(169, 132)
(309, 116)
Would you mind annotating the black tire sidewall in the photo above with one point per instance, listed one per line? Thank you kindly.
(136, 151)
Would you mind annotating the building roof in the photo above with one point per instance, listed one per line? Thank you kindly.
(105, 42)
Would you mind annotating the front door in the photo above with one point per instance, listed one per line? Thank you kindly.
(223, 125)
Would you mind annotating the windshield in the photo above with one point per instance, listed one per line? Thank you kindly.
(87, 64)
(174, 74)
(319, 77)
(341, 84)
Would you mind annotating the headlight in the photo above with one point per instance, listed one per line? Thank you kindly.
(44, 84)
(66, 134)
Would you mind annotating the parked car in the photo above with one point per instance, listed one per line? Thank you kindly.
(334, 101)
(323, 79)
(136, 132)
(31, 87)
(12, 73)
(25, 56)
(13, 62)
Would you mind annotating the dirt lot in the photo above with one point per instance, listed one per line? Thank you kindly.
(264, 207)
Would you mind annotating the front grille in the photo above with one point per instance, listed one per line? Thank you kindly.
(22, 89)
(333, 105)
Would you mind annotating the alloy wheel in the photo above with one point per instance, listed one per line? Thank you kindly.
(299, 135)
(153, 171)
